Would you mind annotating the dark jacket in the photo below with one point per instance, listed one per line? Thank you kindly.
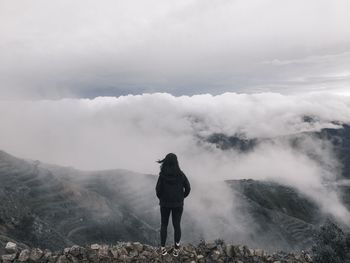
(171, 189)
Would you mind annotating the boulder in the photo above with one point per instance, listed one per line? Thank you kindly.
(133, 253)
(75, 250)
(52, 259)
(36, 254)
(103, 251)
(215, 255)
(146, 254)
(95, 246)
(259, 252)
(211, 245)
(47, 255)
(8, 257)
(229, 251)
(62, 259)
(115, 252)
(66, 250)
(24, 255)
(138, 246)
(11, 247)
(73, 259)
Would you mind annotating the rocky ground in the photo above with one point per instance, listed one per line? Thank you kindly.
(136, 252)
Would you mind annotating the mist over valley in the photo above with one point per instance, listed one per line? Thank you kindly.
(263, 173)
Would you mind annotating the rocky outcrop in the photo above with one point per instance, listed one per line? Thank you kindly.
(136, 252)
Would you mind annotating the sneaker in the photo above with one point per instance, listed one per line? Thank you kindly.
(163, 251)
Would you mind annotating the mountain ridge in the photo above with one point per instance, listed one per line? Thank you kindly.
(53, 206)
(63, 206)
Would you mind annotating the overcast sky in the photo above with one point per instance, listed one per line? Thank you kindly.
(84, 48)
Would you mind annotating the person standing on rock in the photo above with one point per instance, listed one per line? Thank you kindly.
(171, 189)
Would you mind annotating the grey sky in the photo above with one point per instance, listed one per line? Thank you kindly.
(84, 48)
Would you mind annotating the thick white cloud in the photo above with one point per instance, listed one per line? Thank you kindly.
(113, 132)
(132, 132)
(84, 49)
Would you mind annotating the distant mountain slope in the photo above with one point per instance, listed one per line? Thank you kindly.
(284, 217)
(338, 138)
(51, 206)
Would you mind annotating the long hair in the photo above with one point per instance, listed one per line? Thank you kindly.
(170, 165)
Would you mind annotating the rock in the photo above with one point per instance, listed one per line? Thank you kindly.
(269, 259)
(11, 247)
(246, 251)
(259, 252)
(52, 259)
(308, 258)
(188, 248)
(201, 259)
(73, 259)
(103, 251)
(211, 245)
(8, 257)
(146, 254)
(114, 251)
(128, 246)
(47, 254)
(215, 255)
(95, 246)
(142, 258)
(138, 246)
(167, 259)
(36, 254)
(24, 255)
(92, 255)
(125, 258)
(75, 250)
(139, 253)
(133, 253)
(62, 259)
(241, 249)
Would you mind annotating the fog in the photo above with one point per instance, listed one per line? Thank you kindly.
(132, 132)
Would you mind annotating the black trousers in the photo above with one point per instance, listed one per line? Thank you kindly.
(176, 213)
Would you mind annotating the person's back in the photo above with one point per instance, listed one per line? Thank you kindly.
(171, 189)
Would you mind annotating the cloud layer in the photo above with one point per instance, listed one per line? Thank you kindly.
(132, 132)
(83, 49)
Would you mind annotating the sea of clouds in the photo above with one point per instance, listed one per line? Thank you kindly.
(132, 132)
